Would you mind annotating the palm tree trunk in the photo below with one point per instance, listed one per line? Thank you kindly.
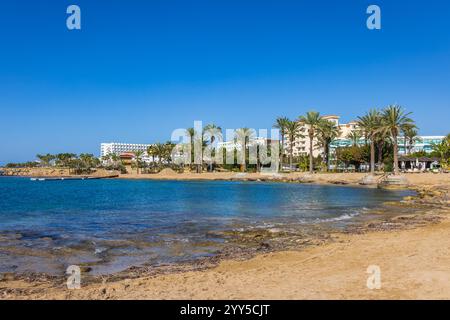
(395, 155)
(311, 157)
(258, 167)
(290, 157)
(200, 166)
(405, 146)
(282, 151)
(192, 155)
(244, 163)
(380, 153)
(372, 156)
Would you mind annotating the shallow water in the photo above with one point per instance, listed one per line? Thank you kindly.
(113, 224)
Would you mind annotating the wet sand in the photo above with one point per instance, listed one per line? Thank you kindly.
(413, 253)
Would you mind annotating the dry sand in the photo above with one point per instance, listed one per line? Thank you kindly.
(415, 179)
(415, 264)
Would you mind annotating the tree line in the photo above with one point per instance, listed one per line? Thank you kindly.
(78, 164)
(379, 128)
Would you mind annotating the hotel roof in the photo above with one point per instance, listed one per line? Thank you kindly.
(331, 116)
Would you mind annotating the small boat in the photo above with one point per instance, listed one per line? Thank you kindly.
(72, 178)
(58, 179)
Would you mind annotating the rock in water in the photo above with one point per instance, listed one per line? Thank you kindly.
(369, 180)
(394, 181)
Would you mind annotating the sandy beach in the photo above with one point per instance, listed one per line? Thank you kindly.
(414, 265)
(415, 179)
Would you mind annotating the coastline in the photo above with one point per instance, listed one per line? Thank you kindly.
(313, 278)
(352, 179)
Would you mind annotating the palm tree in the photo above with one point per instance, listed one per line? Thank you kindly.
(115, 158)
(312, 121)
(64, 159)
(293, 132)
(46, 159)
(394, 120)
(244, 135)
(381, 140)
(443, 149)
(168, 148)
(190, 132)
(281, 123)
(327, 132)
(87, 160)
(370, 124)
(138, 156)
(159, 151)
(209, 133)
(354, 136)
(151, 152)
(107, 158)
(410, 138)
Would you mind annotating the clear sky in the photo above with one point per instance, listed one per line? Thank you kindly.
(139, 69)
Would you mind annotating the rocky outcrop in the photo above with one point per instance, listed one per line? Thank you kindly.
(369, 180)
(394, 181)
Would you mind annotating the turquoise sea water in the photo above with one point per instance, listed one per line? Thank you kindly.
(113, 224)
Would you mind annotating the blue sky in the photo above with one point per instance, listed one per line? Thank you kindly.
(139, 69)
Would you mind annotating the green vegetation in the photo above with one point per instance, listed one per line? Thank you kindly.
(82, 164)
(292, 132)
(312, 120)
(326, 133)
(393, 121)
(353, 155)
(442, 150)
(370, 124)
(282, 124)
(380, 130)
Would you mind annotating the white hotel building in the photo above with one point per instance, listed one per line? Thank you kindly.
(119, 148)
(301, 145)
